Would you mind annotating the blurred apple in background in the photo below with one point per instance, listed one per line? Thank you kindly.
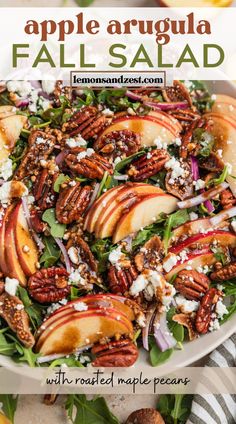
(3, 419)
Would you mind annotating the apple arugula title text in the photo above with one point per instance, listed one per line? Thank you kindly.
(117, 53)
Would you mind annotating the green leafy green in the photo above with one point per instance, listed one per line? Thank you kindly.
(18, 152)
(9, 405)
(175, 409)
(10, 346)
(114, 99)
(51, 252)
(33, 309)
(201, 96)
(123, 163)
(101, 249)
(56, 229)
(56, 115)
(144, 235)
(6, 348)
(70, 362)
(174, 220)
(219, 254)
(205, 140)
(26, 355)
(5, 98)
(62, 178)
(230, 294)
(84, 3)
(220, 179)
(89, 411)
(157, 357)
(88, 98)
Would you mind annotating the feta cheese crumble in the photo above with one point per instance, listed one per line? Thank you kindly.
(170, 261)
(186, 306)
(80, 306)
(11, 285)
(86, 153)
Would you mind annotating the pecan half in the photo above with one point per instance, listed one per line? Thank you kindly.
(187, 320)
(227, 199)
(148, 165)
(121, 280)
(12, 311)
(40, 147)
(177, 92)
(121, 143)
(206, 308)
(184, 116)
(191, 284)
(49, 285)
(81, 253)
(88, 122)
(72, 202)
(181, 187)
(121, 353)
(150, 254)
(45, 196)
(90, 166)
(225, 273)
(187, 146)
(36, 220)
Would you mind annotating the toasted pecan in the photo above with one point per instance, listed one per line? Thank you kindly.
(90, 166)
(224, 273)
(49, 285)
(206, 308)
(88, 122)
(121, 353)
(191, 284)
(72, 202)
(122, 143)
(148, 165)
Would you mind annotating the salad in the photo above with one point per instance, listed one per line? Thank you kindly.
(117, 221)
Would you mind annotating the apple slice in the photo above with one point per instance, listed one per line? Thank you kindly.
(10, 128)
(93, 302)
(4, 419)
(224, 238)
(169, 119)
(225, 104)
(4, 217)
(119, 204)
(195, 260)
(82, 329)
(144, 213)
(191, 227)
(223, 127)
(25, 245)
(149, 128)
(7, 111)
(14, 269)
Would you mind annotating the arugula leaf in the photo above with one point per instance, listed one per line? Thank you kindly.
(6, 348)
(156, 356)
(62, 178)
(89, 411)
(144, 235)
(174, 220)
(33, 310)
(219, 254)
(206, 141)
(101, 249)
(89, 95)
(201, 96)
(5, 98)
(220, 179)
(18, 152)
(56, 229)
(9, 405)
(123, 163)
(26, 355)
(56, 115)
(51, 252)
(175, 409)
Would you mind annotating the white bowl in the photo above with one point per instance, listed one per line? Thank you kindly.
(192, 351)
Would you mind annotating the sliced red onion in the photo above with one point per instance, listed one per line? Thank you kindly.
(163, 337)
(203, 197)
(65, 254)
(133, 96)
(196, 176)
(146, 330)
(121, 177)
(166, 106)
(222, 216)
(194, 168)
(50, 358)
(61, 156)
(22, 102)
(94, 196)
(35, 236)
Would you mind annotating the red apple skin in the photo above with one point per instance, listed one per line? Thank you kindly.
(113, 319)
(191, 227)
(23, 238)
(224, 238)
(204, 257)
(3, 224)
(150, 118)
(12, 260)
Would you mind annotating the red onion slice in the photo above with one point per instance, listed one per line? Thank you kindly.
(222, 216)
(65, 254)
(133, 96)
(196, 176)
(22, 102)
(163, 337)
(60, 157)
(203, 197)
(146, 330)
(35, 236)
(166, 106)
